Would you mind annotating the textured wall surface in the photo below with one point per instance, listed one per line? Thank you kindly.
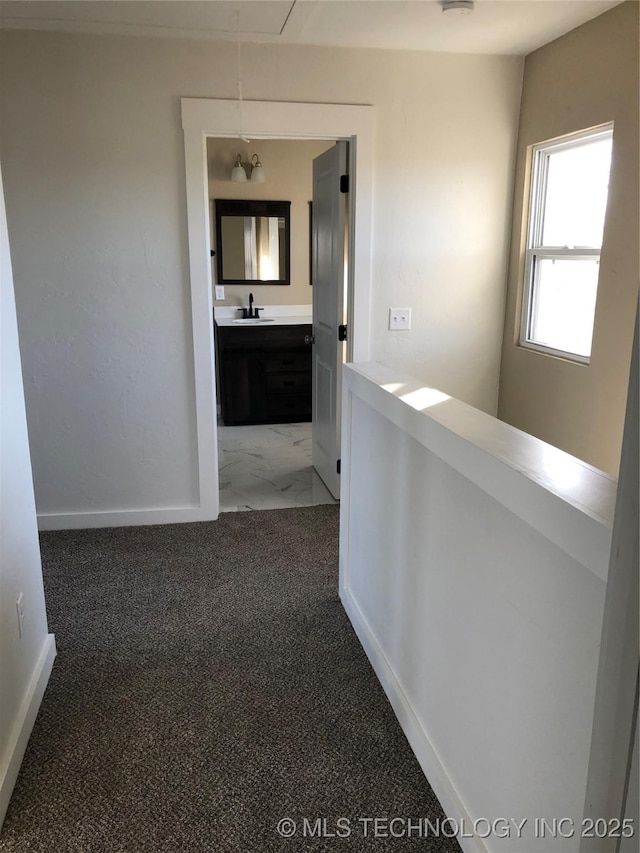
(92, 150)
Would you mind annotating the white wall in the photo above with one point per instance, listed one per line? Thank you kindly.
(473, 568)
(94, 169)
(632, 806)
(25, 662)
(615, 705)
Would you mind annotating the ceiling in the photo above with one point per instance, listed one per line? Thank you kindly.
(495, 26)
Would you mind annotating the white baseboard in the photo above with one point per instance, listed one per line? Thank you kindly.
(122, 518)
(419, 741)
(23, 725)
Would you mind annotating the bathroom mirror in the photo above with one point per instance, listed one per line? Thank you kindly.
(253, 243)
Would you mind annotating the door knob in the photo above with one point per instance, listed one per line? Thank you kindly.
(309, 339)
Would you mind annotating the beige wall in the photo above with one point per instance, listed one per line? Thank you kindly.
(586, 78)
(93, 159)
(289, 177)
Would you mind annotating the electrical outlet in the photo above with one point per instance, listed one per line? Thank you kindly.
(399, 319)
(20, 612)
(219, 291)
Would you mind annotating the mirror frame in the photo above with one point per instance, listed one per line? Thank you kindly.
(243, 207)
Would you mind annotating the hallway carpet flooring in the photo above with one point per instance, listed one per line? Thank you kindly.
(207, 685)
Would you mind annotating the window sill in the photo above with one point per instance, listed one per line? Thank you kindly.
(562, 355)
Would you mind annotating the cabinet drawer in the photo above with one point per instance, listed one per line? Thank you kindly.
(289, 383)
(287, 361)
(288, 407)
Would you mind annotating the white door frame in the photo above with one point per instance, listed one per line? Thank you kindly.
(202, 118)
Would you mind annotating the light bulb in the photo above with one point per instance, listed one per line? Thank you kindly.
(238, 174)
(257, 172)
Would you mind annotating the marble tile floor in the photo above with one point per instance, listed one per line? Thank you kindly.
(268, 467)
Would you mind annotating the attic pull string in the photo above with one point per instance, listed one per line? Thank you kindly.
(240, 132)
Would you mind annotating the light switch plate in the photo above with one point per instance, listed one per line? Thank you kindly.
(219, 291)
(399, 319)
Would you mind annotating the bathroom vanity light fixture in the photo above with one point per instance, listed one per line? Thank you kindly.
(459, 7)
(256, 171)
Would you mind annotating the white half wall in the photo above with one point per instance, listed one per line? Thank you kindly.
(473, 568)
(25, 661)
(93, 153)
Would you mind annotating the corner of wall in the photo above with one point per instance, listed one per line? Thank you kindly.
(26, 649)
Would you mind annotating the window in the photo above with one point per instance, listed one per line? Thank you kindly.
(569, 187)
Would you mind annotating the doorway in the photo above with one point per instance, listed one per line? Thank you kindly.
(266, 120)
(264, 373)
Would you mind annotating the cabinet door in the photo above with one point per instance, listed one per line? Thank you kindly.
(244, 398)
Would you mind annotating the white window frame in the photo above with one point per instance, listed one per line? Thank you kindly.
(535, 250)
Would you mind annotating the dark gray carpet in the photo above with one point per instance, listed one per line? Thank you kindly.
(207, 684)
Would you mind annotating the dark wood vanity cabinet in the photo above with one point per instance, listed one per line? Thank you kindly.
(265, 373)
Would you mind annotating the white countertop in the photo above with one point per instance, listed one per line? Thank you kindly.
(272, 321)
(278, 315)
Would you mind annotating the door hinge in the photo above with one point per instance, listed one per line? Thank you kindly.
(344, 183)
(342, 333)
(338, 466)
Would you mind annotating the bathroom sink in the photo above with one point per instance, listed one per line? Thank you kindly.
(253, 321)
